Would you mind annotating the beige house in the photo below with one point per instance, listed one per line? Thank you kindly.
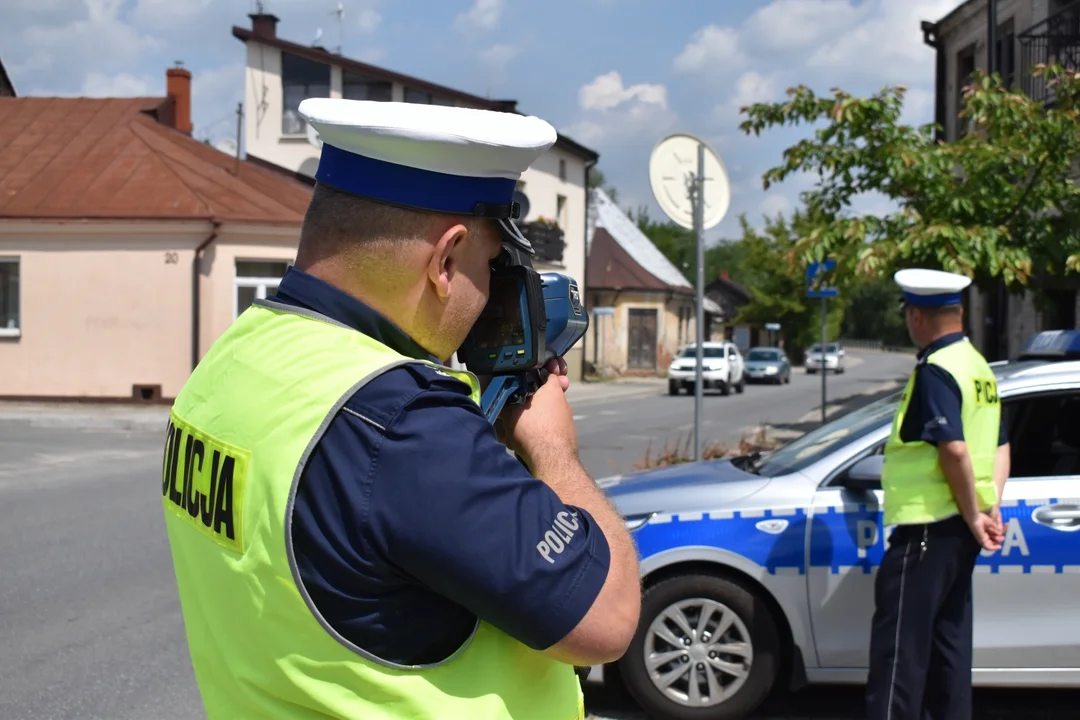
(126, 246)
(643, 309)
(280, 74)
(1027, 33)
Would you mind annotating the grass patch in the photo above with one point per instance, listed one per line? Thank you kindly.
(682, 451)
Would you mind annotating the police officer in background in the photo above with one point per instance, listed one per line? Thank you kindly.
(350, 538)
(944, 471)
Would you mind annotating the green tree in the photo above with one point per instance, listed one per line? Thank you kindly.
(680, 247)
(676, 242)
(998, 203)
(597, 180)
(871, 312)
(778, 287)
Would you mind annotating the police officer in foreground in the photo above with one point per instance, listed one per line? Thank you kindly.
(945, 467)
(350, 538)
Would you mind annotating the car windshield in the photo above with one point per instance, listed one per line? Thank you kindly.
(831, 348)
(709, 352)
(762, 355)
(828, 438)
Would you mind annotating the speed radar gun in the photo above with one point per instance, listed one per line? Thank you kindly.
(529, 319)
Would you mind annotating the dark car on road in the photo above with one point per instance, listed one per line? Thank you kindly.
(767, 365)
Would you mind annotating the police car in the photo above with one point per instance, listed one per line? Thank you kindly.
(758, 571)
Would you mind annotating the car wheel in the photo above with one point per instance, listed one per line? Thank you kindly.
(810, 371)
(725, 387)
(706, 649)
(787, 378)
(741, 386)
(672, 388)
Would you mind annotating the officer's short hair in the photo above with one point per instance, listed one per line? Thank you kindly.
(937, 312)
(337, 222)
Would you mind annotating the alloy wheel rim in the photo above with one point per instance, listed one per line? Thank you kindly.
(698, 652)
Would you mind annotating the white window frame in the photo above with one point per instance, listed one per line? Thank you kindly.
(262, 285)
(6, 332)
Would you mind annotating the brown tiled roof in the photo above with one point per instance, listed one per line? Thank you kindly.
(115, 158)
(610, 267)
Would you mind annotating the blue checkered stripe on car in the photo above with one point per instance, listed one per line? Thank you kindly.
(850, 538)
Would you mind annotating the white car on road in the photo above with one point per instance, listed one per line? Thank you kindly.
(831, 359)
(723, 368)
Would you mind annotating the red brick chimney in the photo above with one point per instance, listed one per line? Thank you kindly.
(264, 25)
(178, 88)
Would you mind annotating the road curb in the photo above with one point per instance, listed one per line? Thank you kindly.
(84, 416)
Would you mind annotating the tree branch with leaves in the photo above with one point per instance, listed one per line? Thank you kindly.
(999, 202)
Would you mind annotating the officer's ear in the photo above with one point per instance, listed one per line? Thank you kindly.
(446, 258)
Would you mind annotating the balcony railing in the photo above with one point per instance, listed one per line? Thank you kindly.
(1054, 41)
(547, 240)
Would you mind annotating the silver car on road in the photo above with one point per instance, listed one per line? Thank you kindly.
(758, 571)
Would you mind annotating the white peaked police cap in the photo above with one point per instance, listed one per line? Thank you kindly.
(455, 161)
(931, 288)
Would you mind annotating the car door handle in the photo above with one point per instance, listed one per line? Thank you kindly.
(1062, 516)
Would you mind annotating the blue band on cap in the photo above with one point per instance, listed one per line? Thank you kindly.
(411, 187)
(933, 300)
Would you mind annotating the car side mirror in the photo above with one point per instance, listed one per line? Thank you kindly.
(865, 474)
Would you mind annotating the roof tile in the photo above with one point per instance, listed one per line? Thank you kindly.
(110, 158)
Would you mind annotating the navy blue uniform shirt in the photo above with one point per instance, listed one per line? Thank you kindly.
(412, 520)
(933, 413)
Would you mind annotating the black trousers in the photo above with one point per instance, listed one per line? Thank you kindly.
(920, 640)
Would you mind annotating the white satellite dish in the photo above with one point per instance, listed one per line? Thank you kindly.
(227, 146)
(313, 136)
(673, 163)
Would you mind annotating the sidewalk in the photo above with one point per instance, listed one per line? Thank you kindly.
(91, 415)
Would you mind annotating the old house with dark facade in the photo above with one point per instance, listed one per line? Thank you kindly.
(1026, 33)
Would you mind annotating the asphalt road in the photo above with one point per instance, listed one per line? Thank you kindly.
(615, 434)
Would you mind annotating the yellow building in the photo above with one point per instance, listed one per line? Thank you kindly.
(643, 309)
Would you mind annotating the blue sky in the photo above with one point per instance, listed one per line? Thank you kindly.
(615, 75)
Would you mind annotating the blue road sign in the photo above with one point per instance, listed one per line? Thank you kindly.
(603, 311)
(772, 327)
(812, 270)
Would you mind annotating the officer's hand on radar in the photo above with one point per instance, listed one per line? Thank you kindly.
(984, 528)
(542, 429)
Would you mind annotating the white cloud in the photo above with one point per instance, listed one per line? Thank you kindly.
(500, 55)
(163, 14)
(121, 85)
(368, 20)
(713, 48)
(607, 91)
(483, 15)
(753, 87)
(774, 204)
(887, 33)
(96, 38)
(796, 24)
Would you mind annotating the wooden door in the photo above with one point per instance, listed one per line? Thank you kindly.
(641, 348)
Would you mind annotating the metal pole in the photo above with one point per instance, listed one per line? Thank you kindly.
(824, 334)
(991, 35)
(699, 234)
